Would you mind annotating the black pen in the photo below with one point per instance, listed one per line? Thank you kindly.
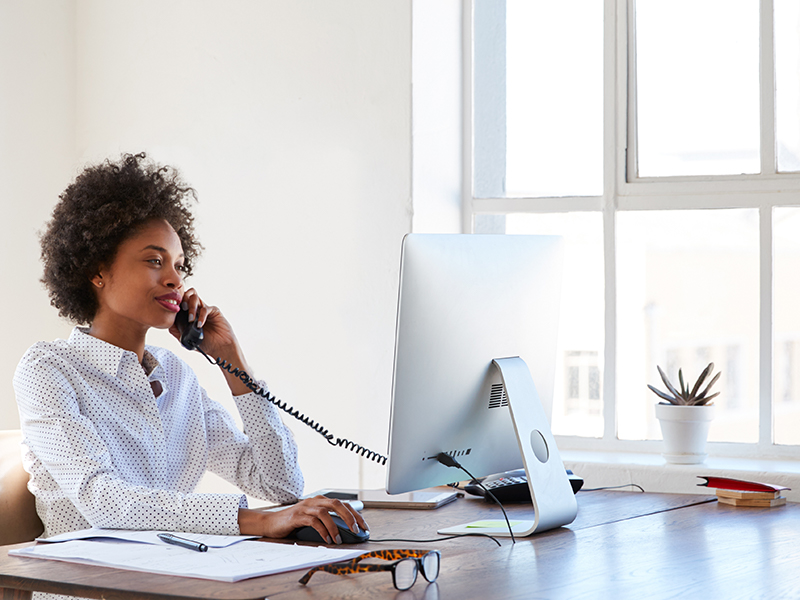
(182, 542)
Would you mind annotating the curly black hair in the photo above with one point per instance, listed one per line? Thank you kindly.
(105, 205)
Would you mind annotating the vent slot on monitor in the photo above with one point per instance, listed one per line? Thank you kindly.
(453, 453)
(498, 397)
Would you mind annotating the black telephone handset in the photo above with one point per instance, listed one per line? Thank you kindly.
(192, 335)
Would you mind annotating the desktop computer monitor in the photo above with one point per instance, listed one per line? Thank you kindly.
(465, 300)
(474, 364)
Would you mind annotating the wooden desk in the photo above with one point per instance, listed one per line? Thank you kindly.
(622, 545)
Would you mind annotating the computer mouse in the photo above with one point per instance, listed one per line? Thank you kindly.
(309, 534)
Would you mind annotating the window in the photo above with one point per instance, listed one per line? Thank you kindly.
(687, 292)
(786, 316)
(662, 140)
(697, 92)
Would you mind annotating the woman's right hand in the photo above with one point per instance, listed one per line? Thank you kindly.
(312, 512)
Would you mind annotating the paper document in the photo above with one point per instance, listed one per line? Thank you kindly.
(233, 563)
(146, 537)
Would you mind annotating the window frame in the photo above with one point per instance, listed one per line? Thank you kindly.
(624, 191)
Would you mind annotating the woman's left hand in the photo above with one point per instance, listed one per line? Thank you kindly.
(219, 341)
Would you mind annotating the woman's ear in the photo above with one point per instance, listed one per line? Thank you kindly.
(98, 280)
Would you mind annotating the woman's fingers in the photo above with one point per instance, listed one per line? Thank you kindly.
(362, 523)
(350, 516)
(326, 527)
(203, 313)
(312, 512)
(216, 328)
(190, 303)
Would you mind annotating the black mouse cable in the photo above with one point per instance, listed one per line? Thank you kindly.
(614, 487)
(449, 461)
(439, 539)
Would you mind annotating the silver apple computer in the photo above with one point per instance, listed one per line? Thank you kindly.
(475, 352)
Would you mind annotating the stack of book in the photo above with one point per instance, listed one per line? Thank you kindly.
(738, 492)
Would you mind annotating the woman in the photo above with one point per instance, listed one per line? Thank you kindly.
(117, 433)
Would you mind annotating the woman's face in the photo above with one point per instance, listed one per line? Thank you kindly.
(143, 286)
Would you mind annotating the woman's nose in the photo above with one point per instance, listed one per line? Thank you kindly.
(173, 278)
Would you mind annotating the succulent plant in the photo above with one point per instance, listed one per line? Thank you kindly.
(685, 396)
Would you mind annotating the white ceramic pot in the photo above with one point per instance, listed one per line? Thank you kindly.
(684, 430)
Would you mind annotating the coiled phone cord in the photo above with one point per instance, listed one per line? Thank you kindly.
(332, 439)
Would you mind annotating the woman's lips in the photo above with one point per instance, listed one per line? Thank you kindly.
(170, 303)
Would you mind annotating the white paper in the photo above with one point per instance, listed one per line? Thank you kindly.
(147, 537)
(240, 561)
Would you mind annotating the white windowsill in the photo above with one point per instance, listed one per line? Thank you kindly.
(602, 469)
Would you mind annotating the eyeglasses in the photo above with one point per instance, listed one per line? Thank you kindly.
(404, 569)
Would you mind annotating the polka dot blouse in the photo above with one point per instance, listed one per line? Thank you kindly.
(104, 451)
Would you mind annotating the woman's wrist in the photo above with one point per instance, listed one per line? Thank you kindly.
(251, 522)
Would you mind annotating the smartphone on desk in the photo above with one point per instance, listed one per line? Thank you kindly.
(423, 499)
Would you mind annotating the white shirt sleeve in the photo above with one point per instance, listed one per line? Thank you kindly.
(263, 461)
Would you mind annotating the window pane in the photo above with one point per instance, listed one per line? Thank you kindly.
(687, 295)
(554, 98)
(786, 319)
(577, 399)
(697, 76)
(787, 84)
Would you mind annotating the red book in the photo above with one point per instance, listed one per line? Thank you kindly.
(727, 483)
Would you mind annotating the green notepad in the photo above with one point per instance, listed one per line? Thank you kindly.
(492, 524)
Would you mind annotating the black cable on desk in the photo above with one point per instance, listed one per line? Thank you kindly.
(440, 539)
(614, 487)
(449, 461)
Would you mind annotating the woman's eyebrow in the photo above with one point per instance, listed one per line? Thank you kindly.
(159, 249)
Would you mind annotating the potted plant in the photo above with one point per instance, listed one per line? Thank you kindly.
(685, 417)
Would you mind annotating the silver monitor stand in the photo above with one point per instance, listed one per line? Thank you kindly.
(554, 502)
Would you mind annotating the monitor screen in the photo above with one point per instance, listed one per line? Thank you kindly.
(465, 300)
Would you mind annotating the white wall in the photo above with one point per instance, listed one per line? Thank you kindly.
(37, 140)
(292, 120)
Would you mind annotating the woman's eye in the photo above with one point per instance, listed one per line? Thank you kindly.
(155, 261)
(182, 268)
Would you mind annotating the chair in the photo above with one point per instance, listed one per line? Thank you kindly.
(18, 519)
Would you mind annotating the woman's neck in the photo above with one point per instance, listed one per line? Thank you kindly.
(123, 336)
